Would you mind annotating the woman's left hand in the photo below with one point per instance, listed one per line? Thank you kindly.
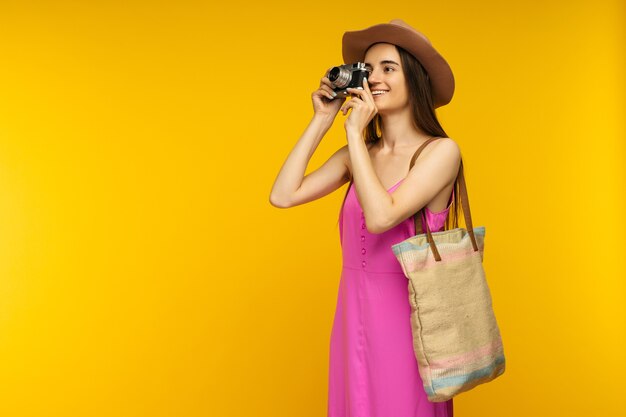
(363, 108)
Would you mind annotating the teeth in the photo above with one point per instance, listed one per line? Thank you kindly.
(378, 93)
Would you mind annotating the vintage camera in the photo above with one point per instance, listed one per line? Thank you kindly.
(347, 76)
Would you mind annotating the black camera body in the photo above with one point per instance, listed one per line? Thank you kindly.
(347, 76)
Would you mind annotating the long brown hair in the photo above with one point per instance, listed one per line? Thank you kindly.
(424, 118)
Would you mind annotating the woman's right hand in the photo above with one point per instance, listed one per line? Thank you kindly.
(324, 103)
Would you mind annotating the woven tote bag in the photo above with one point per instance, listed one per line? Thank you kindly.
(456, 338)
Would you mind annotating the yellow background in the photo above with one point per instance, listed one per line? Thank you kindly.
(143, 271)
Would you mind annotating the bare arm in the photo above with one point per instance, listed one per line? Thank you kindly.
(426, 179)
(430, 174)
(292, 187)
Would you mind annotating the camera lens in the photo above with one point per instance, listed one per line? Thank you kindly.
(339, 77)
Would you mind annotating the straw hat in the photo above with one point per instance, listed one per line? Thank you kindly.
(397, 32)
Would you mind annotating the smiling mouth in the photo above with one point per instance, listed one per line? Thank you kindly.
(380, 94)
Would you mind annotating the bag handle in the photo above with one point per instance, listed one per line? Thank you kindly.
(419, 218)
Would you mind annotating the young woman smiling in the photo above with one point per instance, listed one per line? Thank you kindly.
(372, 368)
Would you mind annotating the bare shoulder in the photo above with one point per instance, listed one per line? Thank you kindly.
(444, 156)
(444, 148)
(447, 144)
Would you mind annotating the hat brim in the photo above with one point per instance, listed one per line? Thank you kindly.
(356, 43)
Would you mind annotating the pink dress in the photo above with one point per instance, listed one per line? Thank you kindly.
(373, 371)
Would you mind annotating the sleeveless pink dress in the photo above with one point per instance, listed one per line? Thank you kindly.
(372, 368)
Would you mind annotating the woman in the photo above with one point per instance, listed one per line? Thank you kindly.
(373, 371)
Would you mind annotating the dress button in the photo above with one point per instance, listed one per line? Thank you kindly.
(363, 251)
(362, 238)
(363, 263)
(362, 225)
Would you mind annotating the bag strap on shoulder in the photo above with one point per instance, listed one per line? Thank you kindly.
(417, 217)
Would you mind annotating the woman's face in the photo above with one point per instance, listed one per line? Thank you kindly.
(386, 74)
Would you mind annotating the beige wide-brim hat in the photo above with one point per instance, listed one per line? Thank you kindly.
(397, 32)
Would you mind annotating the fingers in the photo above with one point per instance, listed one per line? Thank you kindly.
(322, 92)
(366, 87)
(326, 81)
(364, 92)
(360, 97)
(326, 88)
(352, 103)
(365, 95)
